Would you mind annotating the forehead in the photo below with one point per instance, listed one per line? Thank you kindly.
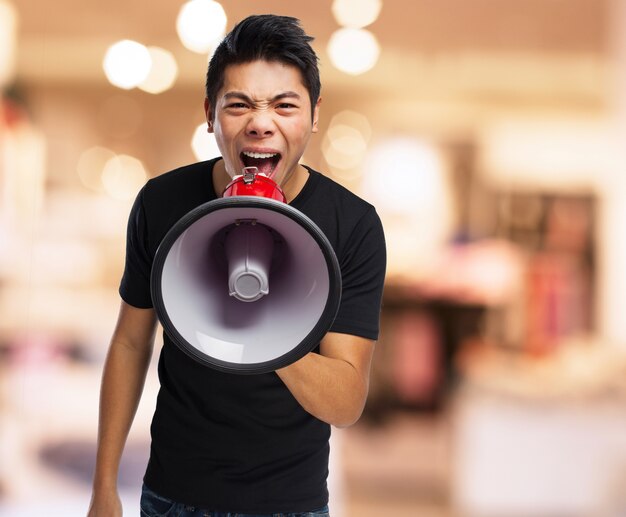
(263, 79)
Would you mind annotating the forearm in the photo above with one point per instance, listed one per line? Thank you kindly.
(333, 385)
(122, 384)
(123, 379)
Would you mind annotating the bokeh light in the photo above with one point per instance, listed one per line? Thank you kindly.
(345, 144)
(90, 166)
(356, 14)
(353, 119)
(353, 51)
(203, 144)
(163, 72)
(123, 176)
(403, 174)
(201, 24)
(126, 64)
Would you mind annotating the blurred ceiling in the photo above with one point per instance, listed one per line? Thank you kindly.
(548, 48)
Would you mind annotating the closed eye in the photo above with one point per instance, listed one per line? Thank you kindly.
(286, 107)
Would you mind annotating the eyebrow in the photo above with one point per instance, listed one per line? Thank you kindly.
(243, 96)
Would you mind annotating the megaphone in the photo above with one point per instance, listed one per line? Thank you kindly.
(246, 283)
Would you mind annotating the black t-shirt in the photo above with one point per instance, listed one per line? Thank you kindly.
(242, 443)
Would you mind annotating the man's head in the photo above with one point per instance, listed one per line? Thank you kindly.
(262, 100)
(270, 38)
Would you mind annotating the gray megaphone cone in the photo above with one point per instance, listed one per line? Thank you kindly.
(236, 310)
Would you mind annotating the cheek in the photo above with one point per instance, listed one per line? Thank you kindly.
(298, 132)
(224, 138)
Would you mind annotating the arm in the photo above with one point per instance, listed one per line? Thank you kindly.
(123, 379)
(332, 385)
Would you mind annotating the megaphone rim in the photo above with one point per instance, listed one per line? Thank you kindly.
(313, 337)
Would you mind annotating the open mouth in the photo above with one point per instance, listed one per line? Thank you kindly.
(265, 162)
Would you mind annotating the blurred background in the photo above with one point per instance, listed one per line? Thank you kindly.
(489, 134)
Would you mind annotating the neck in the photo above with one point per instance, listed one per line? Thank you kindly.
(295, 183)
(220, 177)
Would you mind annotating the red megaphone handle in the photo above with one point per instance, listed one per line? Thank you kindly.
(251, 183)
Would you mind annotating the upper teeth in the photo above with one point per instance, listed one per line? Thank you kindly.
(259, 155)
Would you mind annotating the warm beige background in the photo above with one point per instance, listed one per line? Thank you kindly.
(518, 96)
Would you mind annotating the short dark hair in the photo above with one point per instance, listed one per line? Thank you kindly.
(265, 37)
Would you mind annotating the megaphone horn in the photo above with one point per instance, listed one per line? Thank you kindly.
(246, 283)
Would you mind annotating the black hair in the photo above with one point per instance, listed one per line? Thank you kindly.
(266, 37)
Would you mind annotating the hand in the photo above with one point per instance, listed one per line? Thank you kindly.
(105, 505)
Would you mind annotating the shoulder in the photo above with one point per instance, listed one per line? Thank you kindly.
(166, 198)
(186, 177)
(330, 195)
(341, 214)
(179, 190)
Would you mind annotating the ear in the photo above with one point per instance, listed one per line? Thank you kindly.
(316, 114)
(208, 112)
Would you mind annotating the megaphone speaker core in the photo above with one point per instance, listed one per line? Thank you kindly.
(249, 249)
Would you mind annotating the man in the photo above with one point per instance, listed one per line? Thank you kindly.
(244, 444)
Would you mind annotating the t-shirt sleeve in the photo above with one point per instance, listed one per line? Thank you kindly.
(135, 284)
(363, 267)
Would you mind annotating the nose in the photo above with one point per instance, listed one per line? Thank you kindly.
(260, 124)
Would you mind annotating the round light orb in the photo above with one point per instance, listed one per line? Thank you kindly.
(201, 24)
(126, 64)
(353, 119)
(163, 72)
(123, 176)
(356, 14)
(90, 166)
(404, 174)
(344, 146)
(203, 144)
(353, 51)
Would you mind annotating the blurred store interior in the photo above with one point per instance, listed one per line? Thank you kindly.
(490, 135)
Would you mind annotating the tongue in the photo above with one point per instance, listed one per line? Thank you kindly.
(265, 165)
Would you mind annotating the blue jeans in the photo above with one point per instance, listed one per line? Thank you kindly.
(154, 505)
